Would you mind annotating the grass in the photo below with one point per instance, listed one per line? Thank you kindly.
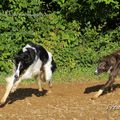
(81, 74)
(61, 76)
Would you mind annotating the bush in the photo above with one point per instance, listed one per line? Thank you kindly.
(74, 42)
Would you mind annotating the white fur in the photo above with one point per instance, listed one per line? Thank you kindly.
(18, 70)
(110, 69)
(98, 93)
(96, 71)
(28, 46)
(32, 70)
(47, 68)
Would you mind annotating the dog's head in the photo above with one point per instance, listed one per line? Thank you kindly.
(23, 60)
(105, 65)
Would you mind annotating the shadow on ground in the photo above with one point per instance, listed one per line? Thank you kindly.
(97, 87)
(23, 93)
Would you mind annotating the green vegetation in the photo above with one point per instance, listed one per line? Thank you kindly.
(78, 33)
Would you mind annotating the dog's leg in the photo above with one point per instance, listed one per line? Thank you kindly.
(42, 80)
(10, 82)
(49, 87)
(50, 84)
(39, 81)
(48, 76)
(15, 85)
(107, 84)
(26, 75)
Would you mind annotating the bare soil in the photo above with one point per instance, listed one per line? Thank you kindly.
(67, 101)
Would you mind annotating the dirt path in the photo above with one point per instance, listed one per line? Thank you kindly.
(69, 101)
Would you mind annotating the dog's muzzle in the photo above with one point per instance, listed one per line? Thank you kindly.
(96, 72)
(16, 77)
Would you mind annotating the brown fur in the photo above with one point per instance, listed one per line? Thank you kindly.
(110, 63)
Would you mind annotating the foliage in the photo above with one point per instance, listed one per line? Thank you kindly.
(77, 32)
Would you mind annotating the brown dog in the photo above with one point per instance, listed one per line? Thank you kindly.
(110, 64)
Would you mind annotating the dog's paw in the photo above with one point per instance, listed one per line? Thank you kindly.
(49, 91)
(94, 97)
(2, 101)
(40, 93)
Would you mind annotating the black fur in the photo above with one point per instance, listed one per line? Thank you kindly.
(41, 52)
(108, 61)
(27, 58)
(32, 61)
(111, 64)
(54, 67)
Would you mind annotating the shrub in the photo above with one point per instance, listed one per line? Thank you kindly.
(75, 41)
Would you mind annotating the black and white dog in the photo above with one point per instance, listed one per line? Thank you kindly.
(32, 61)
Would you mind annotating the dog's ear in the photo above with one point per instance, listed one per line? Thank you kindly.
(31, 53)
(112, 60)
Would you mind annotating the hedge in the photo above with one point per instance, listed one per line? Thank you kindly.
(77, 32)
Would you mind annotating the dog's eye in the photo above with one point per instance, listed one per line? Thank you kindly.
(102, 67)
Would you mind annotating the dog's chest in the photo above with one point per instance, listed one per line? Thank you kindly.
(33, 69)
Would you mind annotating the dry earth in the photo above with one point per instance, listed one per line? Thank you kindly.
(68, 101)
